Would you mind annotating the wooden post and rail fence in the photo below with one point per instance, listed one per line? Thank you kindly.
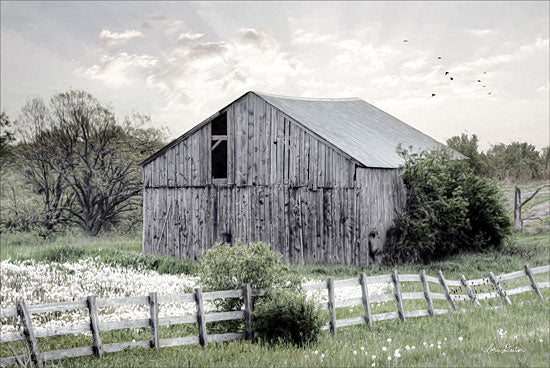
(154, 322)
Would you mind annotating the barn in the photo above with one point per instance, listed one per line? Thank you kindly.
(317, 179)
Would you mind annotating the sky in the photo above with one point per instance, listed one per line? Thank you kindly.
(181, 62)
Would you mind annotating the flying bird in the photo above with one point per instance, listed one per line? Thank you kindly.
(446, 73)
(405, 40)
(479, 80)
(484, 72)
(433, 94)
(439, 58)
(483, 86)
(452, 78)
(489, 93)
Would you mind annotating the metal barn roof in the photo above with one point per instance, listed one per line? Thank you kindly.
(361, 130)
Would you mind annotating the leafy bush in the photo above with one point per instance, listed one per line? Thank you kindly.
(227, 267)
(288, 317)
(448, 209)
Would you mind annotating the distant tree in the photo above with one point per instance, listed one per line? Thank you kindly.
(6, 139)
(83, 162)
(469, 148)
(545, 156)
(514, 161)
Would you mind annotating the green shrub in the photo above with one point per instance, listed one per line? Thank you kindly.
(448, 209)
(288, 316)
(228, 267)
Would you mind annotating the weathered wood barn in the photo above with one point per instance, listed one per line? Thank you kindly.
(316, 178)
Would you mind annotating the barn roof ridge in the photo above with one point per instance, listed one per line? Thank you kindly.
(259, 93)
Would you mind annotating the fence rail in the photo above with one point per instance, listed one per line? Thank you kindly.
(96, 327)
(366, 300)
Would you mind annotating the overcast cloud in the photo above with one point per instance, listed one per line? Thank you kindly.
(181, 62)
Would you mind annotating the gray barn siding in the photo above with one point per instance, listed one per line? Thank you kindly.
(285, 186)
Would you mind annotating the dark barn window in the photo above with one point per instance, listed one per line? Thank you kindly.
(219, 147)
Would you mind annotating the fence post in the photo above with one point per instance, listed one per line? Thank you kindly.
(499, 289)
(94, 326)
(533, 282)
(29, 333)
(365, 298)
(330, 287)
(446, 289)
(247, 298)
(203, 338)
(469, 291)
(397, 287)
(427, 294)
(154, 320)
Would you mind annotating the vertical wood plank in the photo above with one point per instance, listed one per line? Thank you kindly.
(365, 298)
(94, 326)
(427, 294)
(203, 338)
(470, 292)
(154, 320)
(330, 288)
(397, 290)
(533, 282)
(28, 332)
(499, 289)
(247, 298)
(443, 283)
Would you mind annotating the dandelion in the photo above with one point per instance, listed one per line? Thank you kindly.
(443, 353)
(396, 354)
(439, 346)
(322, 356)
(384, 348)
(389, 357)
(445, 339)
(373, 365)
(373, 357)
(407, 348)
(540, 341)
(316, 352)
(362, 348)
(413, 347)
(431, 345)
(425, 343)
(388, 340)
(355, 352)
(460, 338)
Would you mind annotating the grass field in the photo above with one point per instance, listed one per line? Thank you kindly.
(526, 341)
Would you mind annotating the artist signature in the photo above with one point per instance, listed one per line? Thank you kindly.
(506, 349)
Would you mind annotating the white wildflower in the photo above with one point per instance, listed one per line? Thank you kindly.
(384, 348)
(407, 348)
(460, 338)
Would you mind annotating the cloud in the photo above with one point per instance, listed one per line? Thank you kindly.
(119, 70)
(479, 32)
(109, 39)
(190, 36)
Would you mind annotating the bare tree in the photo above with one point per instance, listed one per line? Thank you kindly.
(83, 161)
(41, 166)
(518, 204)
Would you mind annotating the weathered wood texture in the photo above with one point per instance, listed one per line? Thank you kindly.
(285, 185)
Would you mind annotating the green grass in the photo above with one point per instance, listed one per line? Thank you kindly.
(525, 326)
(481, 346)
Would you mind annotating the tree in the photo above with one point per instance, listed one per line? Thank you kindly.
(83, 161)
(6, 140)
(514, 161)
(469, 148)
(448, 209)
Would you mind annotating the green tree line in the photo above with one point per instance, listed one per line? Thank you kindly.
(516, 161)
(72, 163)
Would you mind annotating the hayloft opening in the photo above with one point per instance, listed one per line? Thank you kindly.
(219, 147)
